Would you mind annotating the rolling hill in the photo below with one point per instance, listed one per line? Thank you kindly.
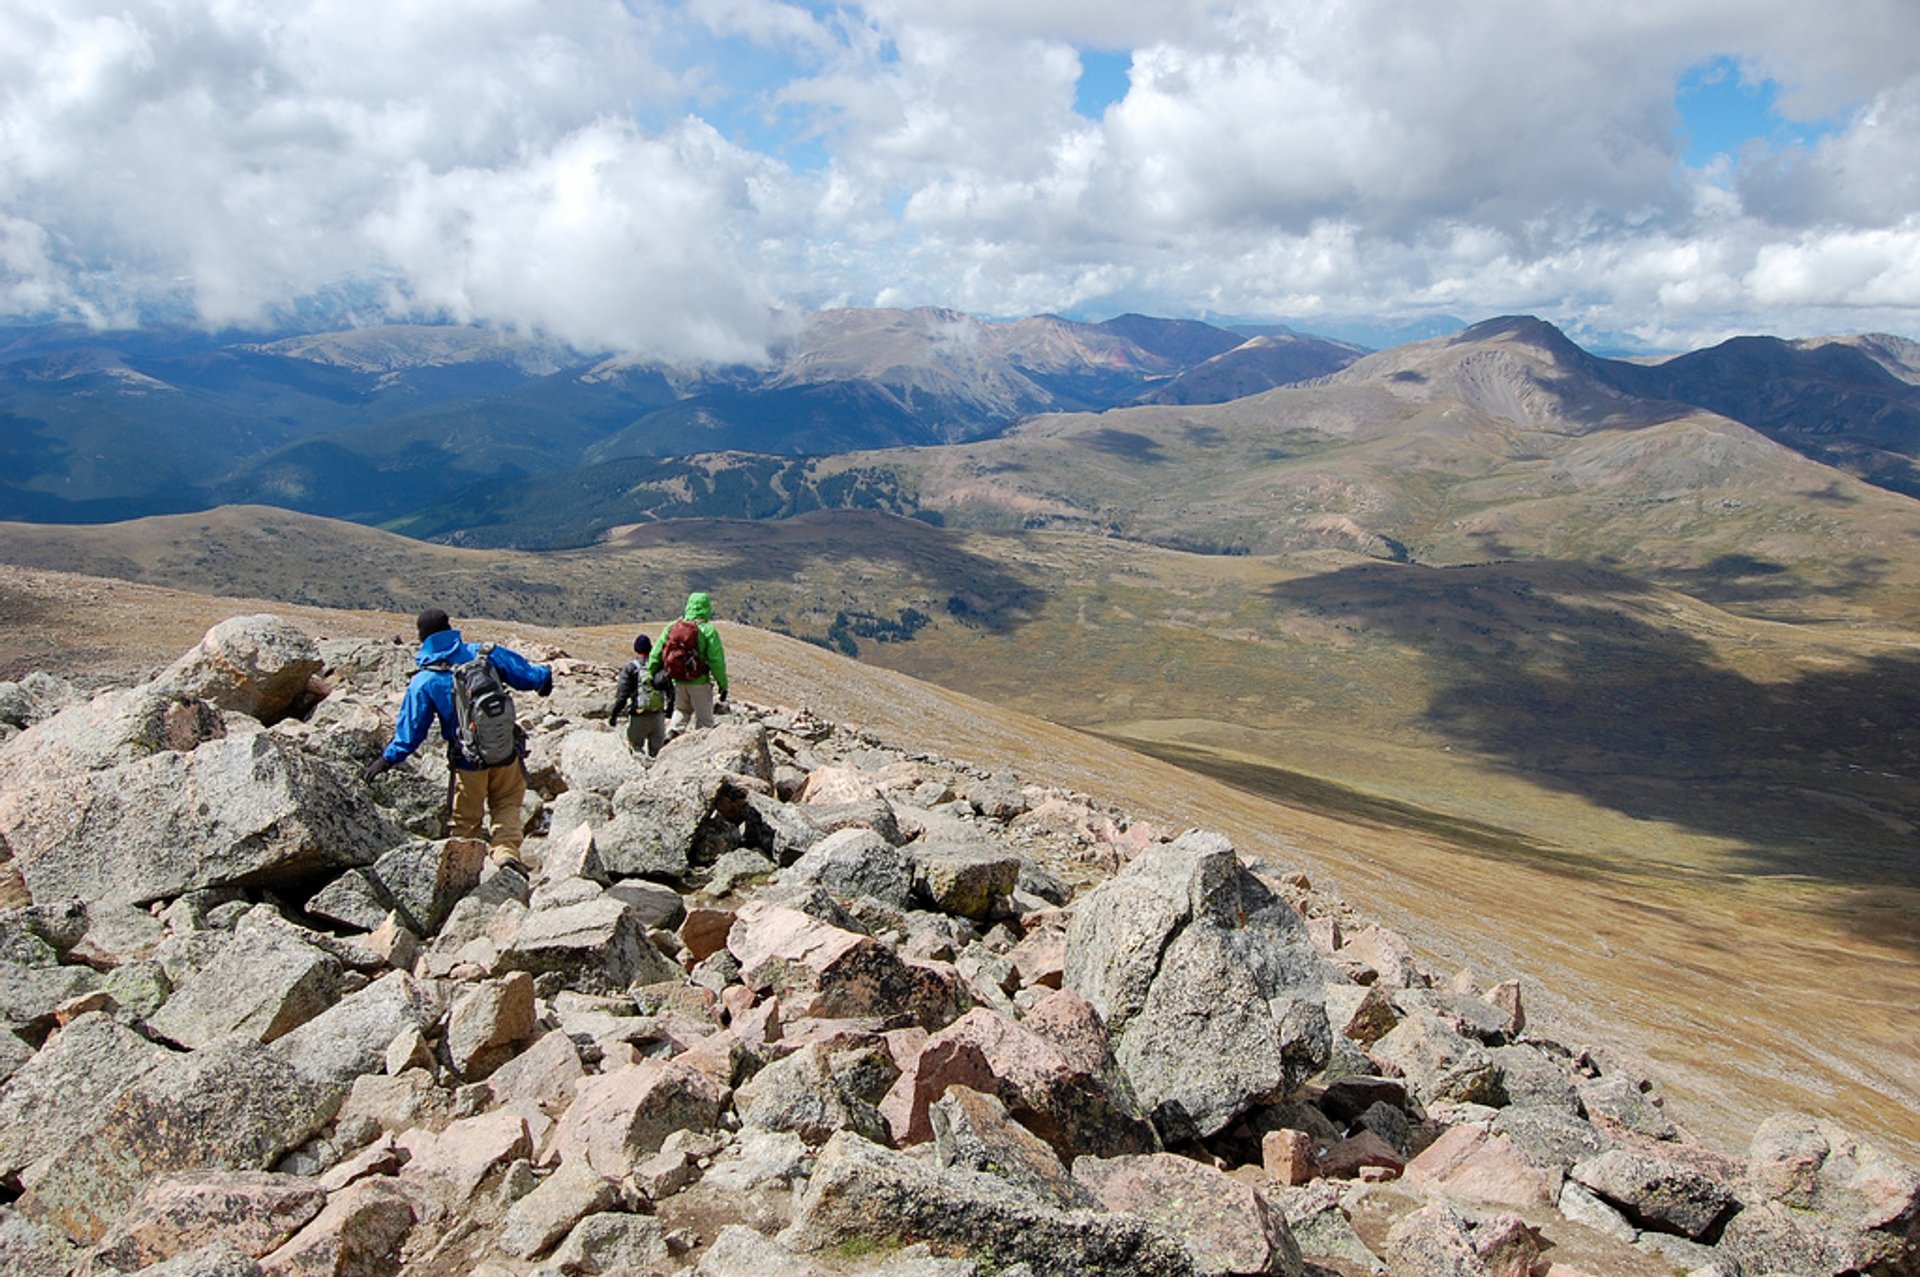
(1505, 441)
(1257, 364)
(1745, 994)
(1853, 404)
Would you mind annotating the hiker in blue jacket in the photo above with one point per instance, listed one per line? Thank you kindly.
(481, 795)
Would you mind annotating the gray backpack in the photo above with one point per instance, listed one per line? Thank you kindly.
(483, 711)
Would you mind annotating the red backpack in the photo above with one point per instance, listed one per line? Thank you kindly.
(680, 656)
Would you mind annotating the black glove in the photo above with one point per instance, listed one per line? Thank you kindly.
(723, 693)
(375, 768)
(613, 716)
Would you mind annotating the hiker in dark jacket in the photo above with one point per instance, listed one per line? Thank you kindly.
(693, 692)
(481, 795)
(647, 725)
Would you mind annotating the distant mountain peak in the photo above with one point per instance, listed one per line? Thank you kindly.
(387, 348)
(1526, 329)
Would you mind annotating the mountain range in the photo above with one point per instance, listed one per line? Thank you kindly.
(380, 425)
(1485, 593)
(373, 423)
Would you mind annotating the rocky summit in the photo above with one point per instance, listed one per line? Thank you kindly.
(788, 999)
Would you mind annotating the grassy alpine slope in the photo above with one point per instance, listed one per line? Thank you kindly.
(1745, 924)
(1617, 694)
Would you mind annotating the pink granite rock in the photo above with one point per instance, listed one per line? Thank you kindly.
(620, 1118)
(922, 1081)
(704, 931)
(1468, 1164)
(359, 1234)
(254, 1211)
(1346, 1158)
(820, 970)
(487, 1022)
(1226, 1226)
(456, 1160)
(1287, 1157)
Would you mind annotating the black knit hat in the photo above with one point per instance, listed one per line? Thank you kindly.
(642, 645)
(432, 621)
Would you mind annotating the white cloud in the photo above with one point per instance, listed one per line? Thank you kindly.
(583, 168)
(608, 239)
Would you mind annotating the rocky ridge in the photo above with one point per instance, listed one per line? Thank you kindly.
(789, 999)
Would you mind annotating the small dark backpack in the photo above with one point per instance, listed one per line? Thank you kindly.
(651, 692)
(483, 711)
(680, 657)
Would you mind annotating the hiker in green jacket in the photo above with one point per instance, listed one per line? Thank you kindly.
(690, 652)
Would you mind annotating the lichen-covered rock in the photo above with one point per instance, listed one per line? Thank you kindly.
(1208, 981)
(351, 1037)
(262, 983)
(423, 880)
(973, 1130)
(216, 1259)
(856, 862)
(105, 732)
(1656, 1192)
(967, 880)
(354, 900)
(862, 1191)
(32, 996)
(801, 1093)
(1226, 1226)
(28, 1250)
(57, 1097)
(34, 699)
(1442, 1066)
(235, 1105)
(254, 1211)
(252, 809)
(613, 1242)
(597, 946)
(1823, 1202)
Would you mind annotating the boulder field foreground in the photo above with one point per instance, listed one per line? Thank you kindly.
(786, 1001)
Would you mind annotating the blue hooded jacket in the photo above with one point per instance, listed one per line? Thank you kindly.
(430, 693)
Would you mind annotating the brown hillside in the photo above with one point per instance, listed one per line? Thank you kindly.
(1736, 1022)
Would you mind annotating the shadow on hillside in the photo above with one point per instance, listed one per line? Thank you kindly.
(894, 556)
(1832, 494)
(1125, 443)
(1746, 583)
(1552, 670)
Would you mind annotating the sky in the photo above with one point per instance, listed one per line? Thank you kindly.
(684, 180)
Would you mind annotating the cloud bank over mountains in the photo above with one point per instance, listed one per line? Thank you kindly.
(682, 178)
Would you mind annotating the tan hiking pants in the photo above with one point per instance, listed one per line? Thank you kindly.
(498, 791)
(692, 706)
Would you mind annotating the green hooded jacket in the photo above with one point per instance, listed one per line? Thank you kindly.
(700, 612)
